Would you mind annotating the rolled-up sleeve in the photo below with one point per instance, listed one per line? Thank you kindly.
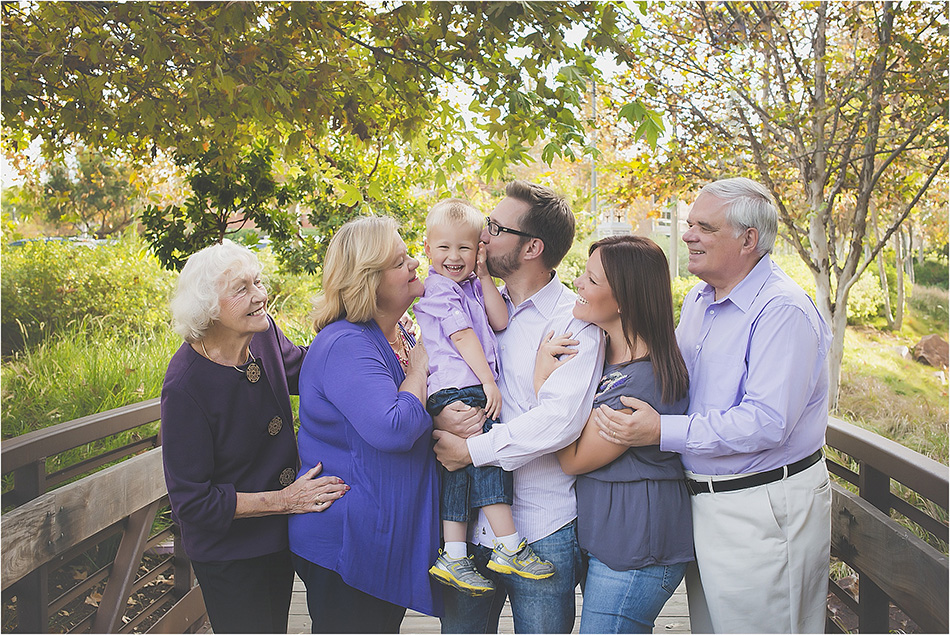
(564, 404)
(188, 456)
(441, 307)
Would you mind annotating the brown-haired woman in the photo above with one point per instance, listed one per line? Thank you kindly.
(633, 510)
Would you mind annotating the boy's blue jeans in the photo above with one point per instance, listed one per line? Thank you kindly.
(471, 487)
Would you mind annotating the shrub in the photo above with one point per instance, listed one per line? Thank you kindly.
(680, 287)
(865, 301)
(930, 303)
(572, 266)
(932, 272)
(289, 294)
(48, 285)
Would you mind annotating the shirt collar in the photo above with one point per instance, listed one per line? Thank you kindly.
(545, 300)
(744, 293)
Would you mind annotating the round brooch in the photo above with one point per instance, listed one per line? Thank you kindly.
(287, 476)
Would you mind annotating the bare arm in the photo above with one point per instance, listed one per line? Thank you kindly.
(474, 355)
(307, 494)
(589, 452)
(495, 306)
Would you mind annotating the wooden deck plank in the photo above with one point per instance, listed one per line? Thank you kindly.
(674, 618)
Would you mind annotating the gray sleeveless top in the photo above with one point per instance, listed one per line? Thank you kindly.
(635, 511)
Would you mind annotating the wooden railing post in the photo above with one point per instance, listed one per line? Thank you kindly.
(32, 602)
(873, 602)
(32, 592)
(124, 570)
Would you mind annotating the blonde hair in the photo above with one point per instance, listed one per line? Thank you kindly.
(195, 304)
(356, 257)
(455, 212)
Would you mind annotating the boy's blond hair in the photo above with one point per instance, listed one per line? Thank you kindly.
(455, 212)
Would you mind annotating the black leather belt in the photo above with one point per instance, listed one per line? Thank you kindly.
(753, 480)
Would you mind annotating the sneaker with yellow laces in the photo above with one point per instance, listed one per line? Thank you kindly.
(461, 574)
(524, 562)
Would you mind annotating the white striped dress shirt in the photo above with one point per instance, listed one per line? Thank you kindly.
(535, 426)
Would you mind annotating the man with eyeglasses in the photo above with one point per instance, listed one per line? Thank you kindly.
(526, 236)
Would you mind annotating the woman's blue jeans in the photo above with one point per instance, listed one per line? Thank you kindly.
(626, 601)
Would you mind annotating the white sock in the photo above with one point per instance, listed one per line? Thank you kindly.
(510, 543)
(456, 550)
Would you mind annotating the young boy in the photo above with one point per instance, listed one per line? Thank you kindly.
(457, 316)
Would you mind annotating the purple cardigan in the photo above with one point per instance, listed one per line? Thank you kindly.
(220, 436)
(384, 534)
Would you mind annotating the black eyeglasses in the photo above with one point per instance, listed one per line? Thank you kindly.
(494, 229)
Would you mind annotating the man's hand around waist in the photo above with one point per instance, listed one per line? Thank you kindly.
(460, 419)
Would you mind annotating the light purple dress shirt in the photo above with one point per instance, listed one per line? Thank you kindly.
(758, 380)
(446, 308)
(534, 426)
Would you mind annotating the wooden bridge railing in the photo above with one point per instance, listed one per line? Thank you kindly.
(47, 529)
(894, 565)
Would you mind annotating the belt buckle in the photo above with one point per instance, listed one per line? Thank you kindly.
(690, 484)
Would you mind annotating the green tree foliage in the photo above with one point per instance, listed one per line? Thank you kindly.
(329, 83)
(94, 194)
(820, 101)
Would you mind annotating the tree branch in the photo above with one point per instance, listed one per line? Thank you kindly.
(896, 224)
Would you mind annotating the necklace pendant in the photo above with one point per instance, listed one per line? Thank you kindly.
(253, 372)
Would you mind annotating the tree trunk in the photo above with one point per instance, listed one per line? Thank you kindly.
(839, 325)
(899, 265)
(831, 315)
(881, 270)
(909, 253)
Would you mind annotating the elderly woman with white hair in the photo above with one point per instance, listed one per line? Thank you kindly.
(362, 396)
(230, 454)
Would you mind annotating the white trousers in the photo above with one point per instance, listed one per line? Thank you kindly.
(762, 557)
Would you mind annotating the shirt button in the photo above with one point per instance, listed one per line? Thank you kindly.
(697, 347)
(712, 311)
(274, 426)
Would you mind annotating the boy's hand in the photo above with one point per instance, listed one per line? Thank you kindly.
(481, 266)
(493, 397)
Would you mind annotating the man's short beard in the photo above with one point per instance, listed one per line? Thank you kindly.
(504, 265)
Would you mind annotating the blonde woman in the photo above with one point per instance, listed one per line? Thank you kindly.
(362, 396)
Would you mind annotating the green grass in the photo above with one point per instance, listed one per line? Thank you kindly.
(892, 396)
(82, 370)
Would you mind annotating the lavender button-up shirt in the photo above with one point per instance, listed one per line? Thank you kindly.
(758, 393)
(446, 308)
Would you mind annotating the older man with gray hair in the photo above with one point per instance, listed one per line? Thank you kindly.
(755, 346)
